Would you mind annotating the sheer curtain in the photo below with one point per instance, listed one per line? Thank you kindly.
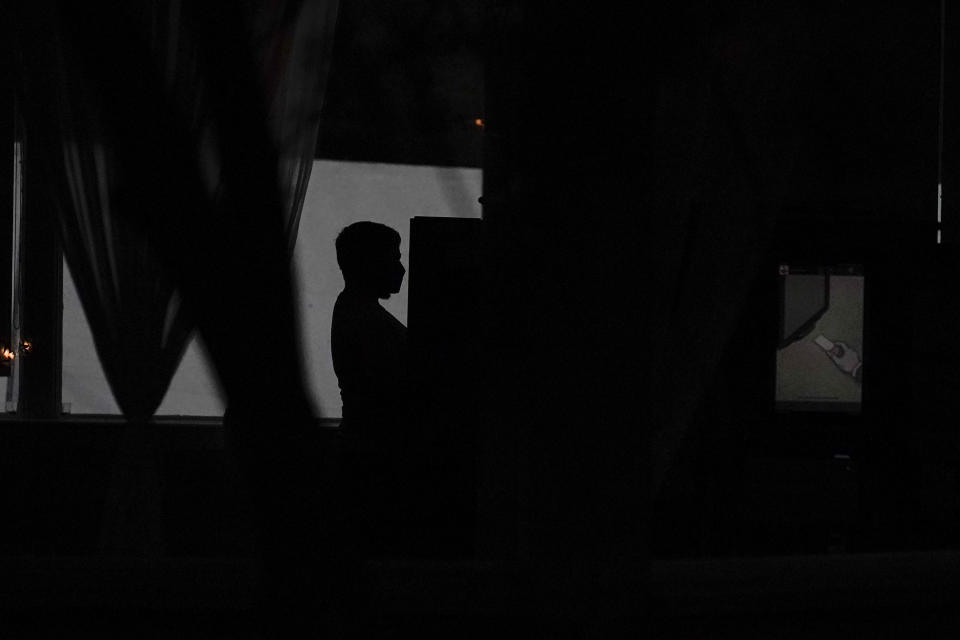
(100, 181)
(177, 141)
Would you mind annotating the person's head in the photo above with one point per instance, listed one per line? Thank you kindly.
(369, 257)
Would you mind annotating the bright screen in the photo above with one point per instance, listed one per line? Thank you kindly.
(820, 355)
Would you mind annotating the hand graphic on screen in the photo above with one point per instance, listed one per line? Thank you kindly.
(846, 359)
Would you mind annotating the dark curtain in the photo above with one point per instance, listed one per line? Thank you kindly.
(177, 140)
(727, 137)
(158, 154)
(628, 212)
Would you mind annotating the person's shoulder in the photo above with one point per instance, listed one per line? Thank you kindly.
(355, 312)
(345, 313)
(348, 303)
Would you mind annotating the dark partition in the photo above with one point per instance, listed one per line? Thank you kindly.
(445, 332)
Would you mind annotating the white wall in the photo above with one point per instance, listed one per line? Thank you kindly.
(339, 193)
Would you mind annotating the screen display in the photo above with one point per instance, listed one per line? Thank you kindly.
(820, 353)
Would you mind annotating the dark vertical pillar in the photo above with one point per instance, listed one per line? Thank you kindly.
(42, 295)
(567, 111)
(950, 133)
(497, 508)
(7, 137)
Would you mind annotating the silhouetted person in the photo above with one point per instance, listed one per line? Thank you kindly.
(371, 360)
(369, 345)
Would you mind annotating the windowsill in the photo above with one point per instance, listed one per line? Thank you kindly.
(676, 590)
(118, 420)
(176, 433)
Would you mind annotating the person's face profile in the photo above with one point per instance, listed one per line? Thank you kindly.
(390, 273)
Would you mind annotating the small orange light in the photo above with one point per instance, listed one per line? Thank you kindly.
(27, 345)
(478, 122)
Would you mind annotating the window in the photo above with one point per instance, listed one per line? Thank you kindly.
(339, 193)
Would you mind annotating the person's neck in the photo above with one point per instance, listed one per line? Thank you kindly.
(362, 293)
